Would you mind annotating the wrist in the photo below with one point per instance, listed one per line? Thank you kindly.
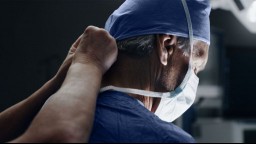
(81, 74)
(89, 61)
(82, 68)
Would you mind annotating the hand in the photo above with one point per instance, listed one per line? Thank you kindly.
(96, 47)
(61, 74)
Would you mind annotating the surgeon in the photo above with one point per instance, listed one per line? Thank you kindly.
(162, 45)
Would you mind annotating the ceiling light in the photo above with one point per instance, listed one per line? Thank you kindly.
(251, 13)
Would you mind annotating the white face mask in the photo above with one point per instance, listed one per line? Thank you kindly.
(173, 104)
(180, 100)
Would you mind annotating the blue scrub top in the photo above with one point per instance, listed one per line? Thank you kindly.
(121, 118)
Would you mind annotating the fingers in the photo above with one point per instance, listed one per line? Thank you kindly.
(88, 31)
(95, 32)
(77, 41)
(91, 29)
(96, 46)
(75, 45)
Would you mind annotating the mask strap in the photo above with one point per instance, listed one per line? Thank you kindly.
(190, 30)
(136, 91)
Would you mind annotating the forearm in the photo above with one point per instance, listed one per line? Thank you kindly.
(71, 109)
(15, 120)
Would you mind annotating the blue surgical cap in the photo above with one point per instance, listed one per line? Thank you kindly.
(143, 17)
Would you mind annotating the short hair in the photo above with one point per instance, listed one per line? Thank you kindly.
(141, 46)
(138, 46)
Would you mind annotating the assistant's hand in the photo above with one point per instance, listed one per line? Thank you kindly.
(96, 47)
(61, 74)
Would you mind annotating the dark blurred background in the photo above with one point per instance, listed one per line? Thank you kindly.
(35, 36)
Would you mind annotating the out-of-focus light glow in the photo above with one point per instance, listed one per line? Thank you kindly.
(251, 14)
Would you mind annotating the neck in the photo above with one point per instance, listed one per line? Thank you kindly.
(133, 73)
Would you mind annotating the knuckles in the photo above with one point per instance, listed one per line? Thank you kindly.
(96, 30)
(90, 29)
(98, 33)
(100, 37)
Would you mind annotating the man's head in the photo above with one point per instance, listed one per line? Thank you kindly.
(154, 40)
(159, 30)
(164, 58)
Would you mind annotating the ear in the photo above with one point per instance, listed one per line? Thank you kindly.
(165, 47)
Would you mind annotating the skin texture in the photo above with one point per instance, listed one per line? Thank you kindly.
(68, 113)
(16, 119)
(163, 70)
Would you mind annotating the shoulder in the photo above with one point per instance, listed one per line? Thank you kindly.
(173, 134)
(121, 118)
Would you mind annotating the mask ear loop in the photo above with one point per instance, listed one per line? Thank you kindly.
(190, 30)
